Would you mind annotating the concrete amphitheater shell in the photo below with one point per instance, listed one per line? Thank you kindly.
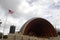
(38, 27)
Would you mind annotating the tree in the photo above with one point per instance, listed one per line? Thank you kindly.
(5, 36)
(1, 35)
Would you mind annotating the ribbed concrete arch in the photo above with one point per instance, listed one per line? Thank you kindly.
(38, 27)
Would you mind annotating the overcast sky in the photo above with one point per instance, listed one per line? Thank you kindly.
(27, 9)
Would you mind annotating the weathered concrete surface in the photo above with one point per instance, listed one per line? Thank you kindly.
(24, 37)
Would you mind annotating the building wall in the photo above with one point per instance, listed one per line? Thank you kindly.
(18, 36)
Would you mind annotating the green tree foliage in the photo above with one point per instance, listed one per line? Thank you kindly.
(5, 36)
(1, 35)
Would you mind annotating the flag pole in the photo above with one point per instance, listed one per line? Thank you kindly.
(11, 12)
(4, 26)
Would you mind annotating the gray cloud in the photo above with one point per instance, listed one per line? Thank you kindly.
(55, 5)
(27, 9)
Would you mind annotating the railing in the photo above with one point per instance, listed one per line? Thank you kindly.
(24, 37)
